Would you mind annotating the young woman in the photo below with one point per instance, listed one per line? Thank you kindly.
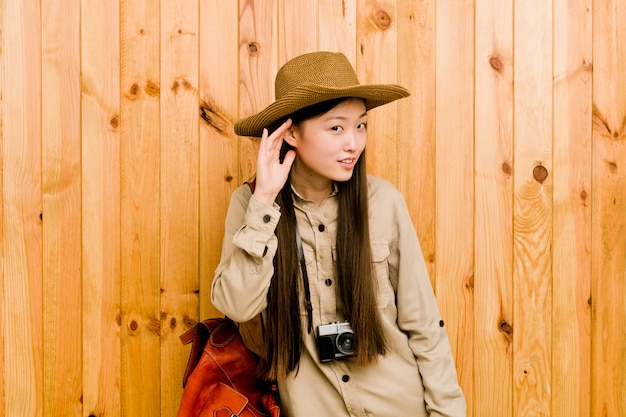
(325, 256)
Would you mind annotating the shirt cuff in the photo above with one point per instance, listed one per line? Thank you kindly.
(262, 217)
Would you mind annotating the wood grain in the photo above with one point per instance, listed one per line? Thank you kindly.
(22, 265)
(258, 64)
(298, 31)
(493, 229)
(454, 247)
(336, 21)
(415, 133)
(532, 210)
(219, 146)
(179, 191)
(376, 37)
(100, 132)
(608, 243)
(61, 190)
(571, 274)
(140, 209)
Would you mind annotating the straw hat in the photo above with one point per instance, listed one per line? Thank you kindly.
(310, 79)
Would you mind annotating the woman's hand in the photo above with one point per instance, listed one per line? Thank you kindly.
(271, 175)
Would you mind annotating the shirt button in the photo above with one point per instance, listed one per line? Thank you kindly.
(266, 218)
(441, 323)
(328, 282)
(321, 227)
(345, 378)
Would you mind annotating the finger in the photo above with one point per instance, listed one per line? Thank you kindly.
(264, 136)
(277, 136)
(263, 146)
(290, 156)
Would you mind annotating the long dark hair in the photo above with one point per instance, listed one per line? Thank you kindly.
(283, 331)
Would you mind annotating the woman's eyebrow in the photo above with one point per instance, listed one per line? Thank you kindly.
(341, 117)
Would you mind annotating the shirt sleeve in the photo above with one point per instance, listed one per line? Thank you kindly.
(419, 317)
(244, 273)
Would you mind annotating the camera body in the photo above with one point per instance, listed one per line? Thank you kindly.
(335, 341)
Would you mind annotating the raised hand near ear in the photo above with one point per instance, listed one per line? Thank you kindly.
(271, 174)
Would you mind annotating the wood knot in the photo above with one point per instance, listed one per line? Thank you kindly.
(177, 84)
(496, 63)
(152, 88)
(253, 48)
(505, 327)
(133, 92)
(212, 117)
(115, 121)
(188, 322)
(173, 323)
(612, 166)
(382, 18)
(469, 284)
(540, 173)
(133, 326)
(154, 326)
(506, 168)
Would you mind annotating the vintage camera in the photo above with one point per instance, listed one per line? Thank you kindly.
(335, 341)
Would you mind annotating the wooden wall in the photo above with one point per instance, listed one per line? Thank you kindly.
(118, 158)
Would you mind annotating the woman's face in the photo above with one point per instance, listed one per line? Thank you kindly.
(328, 146)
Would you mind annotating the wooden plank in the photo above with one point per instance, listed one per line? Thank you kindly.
(608, 247)
(297, 29)
(100, 122)
(219, 162)
(377, 55)
(571, 274)
(61, 189)
(22, 313)
(493, 235)
(336, 22)
(454, 247)
(140, 208)
(532, 210)
(258, 62)
(416, 120)
(179, 191)
(2, 296)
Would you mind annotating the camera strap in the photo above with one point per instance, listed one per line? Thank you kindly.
(305, 279)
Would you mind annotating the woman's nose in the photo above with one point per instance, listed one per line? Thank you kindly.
(351, 141)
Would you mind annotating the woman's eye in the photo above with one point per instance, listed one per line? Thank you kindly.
(336, 128)
(362, 126)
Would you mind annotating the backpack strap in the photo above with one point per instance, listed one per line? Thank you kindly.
(251, 184)
(198, 335)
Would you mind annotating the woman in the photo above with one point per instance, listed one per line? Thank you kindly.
(326, 257)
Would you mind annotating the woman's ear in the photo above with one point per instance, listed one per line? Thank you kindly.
(290, 136)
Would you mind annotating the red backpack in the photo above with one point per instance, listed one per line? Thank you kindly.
(220, 378)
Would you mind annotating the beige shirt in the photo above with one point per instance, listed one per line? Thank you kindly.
(416, 378)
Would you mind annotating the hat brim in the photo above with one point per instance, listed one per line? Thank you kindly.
(309, 94)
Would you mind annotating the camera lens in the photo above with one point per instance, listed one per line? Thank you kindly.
(345, 343)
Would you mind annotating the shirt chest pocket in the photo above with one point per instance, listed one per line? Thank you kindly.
(380, 266)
